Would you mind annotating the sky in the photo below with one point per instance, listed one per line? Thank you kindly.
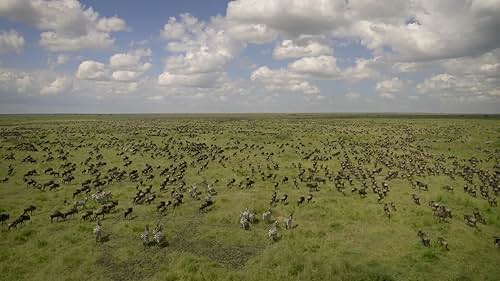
(128, 56)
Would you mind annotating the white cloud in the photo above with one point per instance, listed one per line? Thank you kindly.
(283, 80)
(15, 81)
(352, 95)
(66, 25)
(173, 29)
(363, 69)
(204, 50)
(197, 80)
(125, 75)
(37, 82)
(290, 49)
(11, 41)
(112, 24)
(57, 86)
(131, 60)
(291, 17)
(466, 79)
(320, 67)
(92, 70)
(123, 67)
(389, 88)
(253, 33)
(450, 87)
(411, 29)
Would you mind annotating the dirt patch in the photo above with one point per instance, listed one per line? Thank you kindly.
(146, 265)
(234, 257)
(134, 269)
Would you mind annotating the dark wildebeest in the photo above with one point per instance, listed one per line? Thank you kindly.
(4, 217)
(56, 215)
(128, 212)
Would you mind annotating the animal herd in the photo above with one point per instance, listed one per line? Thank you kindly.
(158, 176)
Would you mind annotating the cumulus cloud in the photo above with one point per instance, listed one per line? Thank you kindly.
(57, 86)
(304, 48)
(291, 17)
(16, 81)
(125, 75)
(203, 51)
(320, 67)
(411, 30)
(66, 25)
(131, 60)
(252, 33)
(466, 79)
(389, 88)
(92, 70)
(11, 41)
(283, 80)
(33, 83)
(123, 67)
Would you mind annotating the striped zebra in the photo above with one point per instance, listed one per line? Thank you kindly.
(158, 235)
(289, 222)
(266, 216)
(98, 233)
(145, 236)
(245, 224)
(273, 233)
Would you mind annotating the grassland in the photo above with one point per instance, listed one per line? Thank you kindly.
(337, 237)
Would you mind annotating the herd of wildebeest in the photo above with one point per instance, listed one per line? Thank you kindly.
(348, 166)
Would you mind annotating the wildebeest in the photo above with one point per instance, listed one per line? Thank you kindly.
(29, 209)
(478, 216)
(496, 241)
(19, 220)
(284, 199)
(415, 198)
(4, 216)
(128, 212)
(300, 200)
(425, 239)
(56, 215)
(470, 220)
(205, 204)
(70, 212)
(87, 215)
(443, 243)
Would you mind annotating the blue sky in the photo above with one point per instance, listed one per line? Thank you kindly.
(249, 56)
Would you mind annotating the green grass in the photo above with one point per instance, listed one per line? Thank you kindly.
(337, 237)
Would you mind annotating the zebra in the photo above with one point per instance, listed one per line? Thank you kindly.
(158, 235)
(289, 221)
(252, 217)
(273, 233)
(266, 216)
(244, 222)
(145, 236)
(98, 233)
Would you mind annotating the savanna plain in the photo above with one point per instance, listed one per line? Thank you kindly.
(249, 197)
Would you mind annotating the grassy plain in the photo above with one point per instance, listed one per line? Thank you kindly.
(337, 237)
